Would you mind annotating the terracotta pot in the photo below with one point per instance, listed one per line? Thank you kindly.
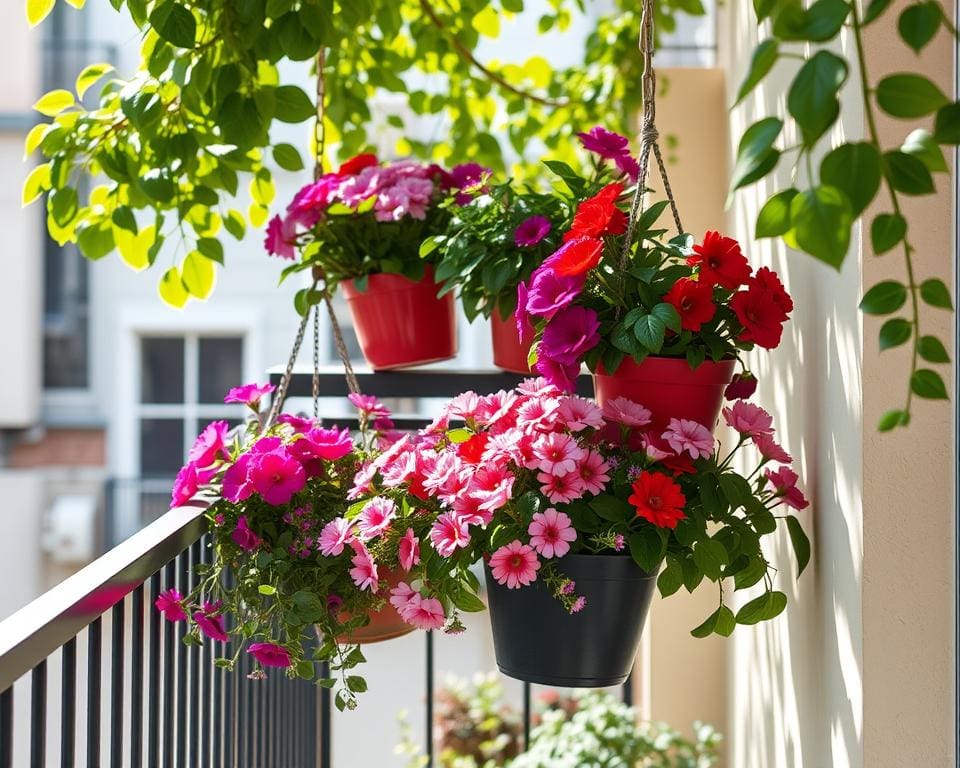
(509, 352)
(669, 388)
(384, 624)
(401, 323)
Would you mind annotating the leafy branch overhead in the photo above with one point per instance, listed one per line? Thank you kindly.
(819, 219)
(183, 152)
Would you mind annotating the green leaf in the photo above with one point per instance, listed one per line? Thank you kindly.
(747, 577)
(175, 24)
(886, 231)
(907, 174)
(487, 22)
(54, 102)
(647, 547)
(755, 154)
(928, 384)
(356, 684)
(465, 600)
(821, 219)
(932, 350)
(721, 622)
(801, 544)
(765, 55)
(612, 508)
(774, 218)
(198, 274)
(895, 332)
(287, 157)
(650, 331)
(885, 297)
(946, 127)
(891, 419)
(293, 105)
(710, 556)
(856, 170)
(267, 589)
(211, 248)
(136, 248)
(919, 22)
(671, 577)
(921, 144)
(63, 205)
(172, 290)
(874, 9)
(235, 224)
(305, 669)
(812, 98)
(89, 76)
(430, 244)
(935, 293)
(38, 10)
(818, 23)
(668, 314)
(96, 241)
(909, 95)
(768, 606)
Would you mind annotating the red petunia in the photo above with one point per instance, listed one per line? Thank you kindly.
(658, 499)
(577, 257)
(693, 301)
(599, 215)
(355, 164)
(720, 261)
(768, 279)
(761, 315)
(471, 451)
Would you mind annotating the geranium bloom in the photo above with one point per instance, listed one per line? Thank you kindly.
(577, 256)
(492, 485)
(409, 550)
(276, 476)
(720, 261)
(768, 280)
(693, 301)
(468, 510)
(558, 453)
(211, 622)
(471, 450)
(375, 517)
(599, 215)
(593, 472)
(364, 571)
(538, 413)
(785, 481)
(658, 499)
(249, 395)
(570, 335)
(770, 449)
(577, 414)
(560, 489)
(551, 533)
(626, 412)
(335, 536)
(368, 405)
(531, 231)
(464, 406)
(269, 654)
(748, 419)
(357, 163)
(560, 375)
(281, 237)
(448, 533)
(548, 293)
(690, 436)
(170, 604)
(741, 386)
(761, 315)
(537, 386)
(311, 201)
(209, 445)
(607, 144)
(514, 564)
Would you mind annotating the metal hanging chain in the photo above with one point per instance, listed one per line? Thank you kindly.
(281, 395)
(648, 136)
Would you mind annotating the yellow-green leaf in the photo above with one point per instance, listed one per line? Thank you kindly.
(262, 190)
(78, 4)
(135, 248)
(487, 22)
(257, 215)
(53, 103)
(199, 274)
(37, 181)
(538, 70)
(38, 10)
(171, 288)
(90, 75)
(33, 139)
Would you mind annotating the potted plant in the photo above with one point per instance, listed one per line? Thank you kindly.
(574, 510)
(300, 546)
(660, 323)
(362, 227)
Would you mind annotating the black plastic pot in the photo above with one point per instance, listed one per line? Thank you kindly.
(537, 640)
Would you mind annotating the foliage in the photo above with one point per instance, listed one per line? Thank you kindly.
(817, 217)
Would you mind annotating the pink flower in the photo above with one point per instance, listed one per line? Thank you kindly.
(448, 533)
(270, 654)
(364, 571)
(249, 395)
(626, 412)
(211, 622)
(464, 406)
(748, 419)
(276, 476)
(424, 613)
(570, 335)
(299, 424)
(469, 510)
(560, 375)
(492, 485)
(686, 435)
(785, 481)
(607, 144)
(409, 550)
(515, 565)
(561, 489)
(537, 387)
(770, 449)
(186, 485)
(375, 517)
(577, 414)
(558, 453)
(548, 293)
(531, 231)
(538, 413)
(551, 533)
(170, 604)
(236, 481)
(335, 536)
(628, 164)
(742, 386)
(281, 238)
(210, 444)
(320, 443)
(243, 537)
(593, 472)
(400, 597)
(369, 406)
(362, 481)
(578, 605)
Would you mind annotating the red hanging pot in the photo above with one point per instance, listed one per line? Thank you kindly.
(401, 322)
(668, 387)
(509, 351)
(384, 624)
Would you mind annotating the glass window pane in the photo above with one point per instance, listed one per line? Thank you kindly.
(220, 368)
(161, 447)
(161, 372)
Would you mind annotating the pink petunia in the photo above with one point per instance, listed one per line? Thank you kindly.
(270, 654)
(514, 564)
(211, 622)
(560, 375)
(236, 480)
(770, 449)
(186, 485)
(321, 443)
(210, 444)
(469, 510)
(593, 472)
(561, 489)
(364, 571)
(785, 482)
(606, 144)
(170, 604)
(424, 612)
(492, 485)
(448, 533)
(249, 395)
(362, 482)
(551, 533)
(369, 406)
(623, 411)
(531, 231)
(748, 419)
(558, 453)
(538, 386)
(375, 517)
(299, 424)
(538, 413)
(464, 406)
(684, 435)
(243, 537)
(335, 536)
(578, 413)
(277, 476)
(281, 237)
(409, 550)
(570, 334)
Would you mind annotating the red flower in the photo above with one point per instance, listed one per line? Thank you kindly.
(354, 165)
(577, 256)
(599, 215)
(471, 451)
(658, 499)
(767, 278)
(760, 314)
(693, 301)
(720, 261)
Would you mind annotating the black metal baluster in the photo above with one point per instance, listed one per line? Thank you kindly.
(526, 715)
(169, 716)
(209, 693)
(116, 685)
(136, 678)
(6, 728)
(38, 715)
(193, 672)
(94, 638)
(182, 718)
(272, 755)
(258, 721)
(429, 698)
(249, 729)
(153, 665)
(326, 717)
(231, 715)
(68, 704)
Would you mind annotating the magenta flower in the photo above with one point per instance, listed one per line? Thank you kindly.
(558, 374)
(558, 453)
(375, 517)
(335, 536)
(249, 395)
(368, 405)
(623, 411)
(185, 486)
(607, 144)
(236, 481)
(561, 489)
(570, 335)
(741, 386)
(628, 164)
(211, 622)
(551, 533)
(364, 571)
(690, 436)
(748, 419)
(276, 476)
(520, 314)
(492, 486)
(578, 605)
(468, 178)
(409, 550)
(593, 473)
(548, 293)
(448, 533)
(170, 604)
(785, 481)
(531, 231)
(770, 449)
(298, 423)
(321, 443)
(310, 203)
(281, 237)
(243, 537)
(270, 654)
(514, 564)
(210, 444)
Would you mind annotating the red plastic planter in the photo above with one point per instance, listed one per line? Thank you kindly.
(384, 624)
(669, 388)
(509, 352)
(400, 322)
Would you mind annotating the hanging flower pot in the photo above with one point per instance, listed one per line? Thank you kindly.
(537, 639)
(668, 387)
(509, 351)
(384, 624)
(401, 322)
